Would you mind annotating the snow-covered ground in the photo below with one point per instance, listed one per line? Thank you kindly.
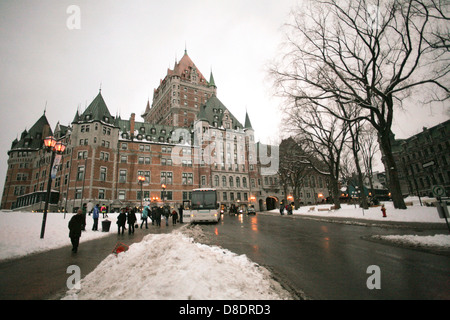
(160, 266)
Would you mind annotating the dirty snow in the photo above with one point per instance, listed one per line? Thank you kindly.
(173, 266)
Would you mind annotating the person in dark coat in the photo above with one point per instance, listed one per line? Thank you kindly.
(153, 216)
(174, 217)
(166, 213)
(75, 227)
(131, 219)
(121, 220)
(159, 212)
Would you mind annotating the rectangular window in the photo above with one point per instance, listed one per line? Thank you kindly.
(122, 176)
(166, 177)
(102, 173)
(80, 173)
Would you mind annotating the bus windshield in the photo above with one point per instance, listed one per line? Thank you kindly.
(204, 200)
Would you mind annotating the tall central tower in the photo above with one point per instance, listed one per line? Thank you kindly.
(177, 100)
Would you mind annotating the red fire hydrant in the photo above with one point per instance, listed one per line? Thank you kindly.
(383, 209)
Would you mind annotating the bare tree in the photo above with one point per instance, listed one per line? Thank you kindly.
(323, 138)
(369, 148)
(372, 54)
(294, 166)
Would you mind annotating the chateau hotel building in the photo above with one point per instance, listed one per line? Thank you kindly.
(188, 139)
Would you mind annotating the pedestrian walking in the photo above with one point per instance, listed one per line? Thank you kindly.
(103, 210)
(159, 212)
(166, 214)
(145, 216)
(290, 207)
(131, 219)
(75, 227)
(121, 220)
(281, 208)
(174, 217)
(153, 214)
(95, 215)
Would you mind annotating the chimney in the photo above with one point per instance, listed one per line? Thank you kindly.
(132, 125)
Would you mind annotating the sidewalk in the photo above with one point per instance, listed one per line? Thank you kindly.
(44, 275)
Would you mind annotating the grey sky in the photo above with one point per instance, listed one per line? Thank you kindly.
(127, 46)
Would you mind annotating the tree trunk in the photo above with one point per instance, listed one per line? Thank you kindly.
(335, 192)
(391, 170)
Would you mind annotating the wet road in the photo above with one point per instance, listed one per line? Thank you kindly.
(327, 260)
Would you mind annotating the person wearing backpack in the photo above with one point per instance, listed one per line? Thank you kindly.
(174, 217)
(145, 216)
(121, 220)
(131, 219)
(167, 214)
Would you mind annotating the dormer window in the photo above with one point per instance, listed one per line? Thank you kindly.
(106, 119)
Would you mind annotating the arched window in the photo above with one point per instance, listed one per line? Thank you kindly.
(216, 181)
(238, 182)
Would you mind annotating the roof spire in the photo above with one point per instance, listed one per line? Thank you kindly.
(185, 47)
(211, 80)
(247, 124)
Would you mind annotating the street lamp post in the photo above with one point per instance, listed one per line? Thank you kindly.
(141, 180)
(51, 145)
(163, 186)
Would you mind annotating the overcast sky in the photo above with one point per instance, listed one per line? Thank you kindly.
(127, 46)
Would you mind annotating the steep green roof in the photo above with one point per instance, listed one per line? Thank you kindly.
(211, 80)
(214, 111)
(33, 139)
(248, 124)
(96, 111)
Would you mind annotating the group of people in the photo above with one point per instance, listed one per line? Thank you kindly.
(127, 215)
(289, 208)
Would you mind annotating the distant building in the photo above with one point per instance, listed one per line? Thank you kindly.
(423, 160)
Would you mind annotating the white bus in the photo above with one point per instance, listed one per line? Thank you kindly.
(204, 206)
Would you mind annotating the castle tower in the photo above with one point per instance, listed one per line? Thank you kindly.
(180, 94)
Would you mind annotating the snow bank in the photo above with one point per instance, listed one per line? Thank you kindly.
(414, 213)
(173, 266)
(20, 232)
(440, 241)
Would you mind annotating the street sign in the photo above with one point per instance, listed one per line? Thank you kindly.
(438, 191)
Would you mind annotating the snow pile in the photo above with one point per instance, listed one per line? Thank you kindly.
(414, 213)
(20, 232)
(173, 266)
(440, 241)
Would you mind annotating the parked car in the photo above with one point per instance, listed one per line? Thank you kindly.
(251, 210)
